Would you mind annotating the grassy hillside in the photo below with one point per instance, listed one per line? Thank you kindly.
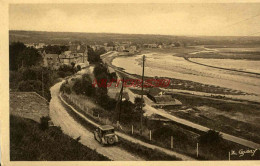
(29, 143)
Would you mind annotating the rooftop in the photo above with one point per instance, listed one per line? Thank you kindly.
(106, 127)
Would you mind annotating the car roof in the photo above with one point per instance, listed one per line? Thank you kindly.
(106, 127)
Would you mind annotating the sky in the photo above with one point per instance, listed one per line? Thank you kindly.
(228, 19)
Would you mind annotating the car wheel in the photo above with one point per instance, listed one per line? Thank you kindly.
(111, 140)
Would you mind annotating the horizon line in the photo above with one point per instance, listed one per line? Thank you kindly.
(138, 33)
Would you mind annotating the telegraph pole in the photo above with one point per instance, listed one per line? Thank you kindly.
(121, 96)
(142, 98)
(42, 84)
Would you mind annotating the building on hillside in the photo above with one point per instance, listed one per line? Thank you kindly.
(132, 49)
(109, 48)
(76, 54)
(159, 97)
(51, 60)
(36, 45)
(154, 92)
(120, 48)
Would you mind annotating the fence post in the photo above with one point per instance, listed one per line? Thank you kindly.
(117, 124)
(132, 129)
(150, 135)
(171, 142)
(197, 150)
(229, 156)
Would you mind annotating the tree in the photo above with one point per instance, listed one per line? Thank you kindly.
(22, 56)
(177, 44)
(87, 88)
(65, 88)
(110, 44)
(211, 138)
(55, 49)
(78, 67)
(93, 57)
(72, 64)
(77, 86)
(30, 85)
(15, 51)
(44, 123)
(29, 57)
(139, 103)
(101, 96)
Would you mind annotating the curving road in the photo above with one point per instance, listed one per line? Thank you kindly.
(134, 140)
(69, 126)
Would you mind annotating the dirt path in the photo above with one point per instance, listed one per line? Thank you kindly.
(69, 126)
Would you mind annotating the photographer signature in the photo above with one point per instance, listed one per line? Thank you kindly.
(242, 152)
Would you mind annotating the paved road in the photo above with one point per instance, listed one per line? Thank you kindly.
(133, 140)
(69, 126)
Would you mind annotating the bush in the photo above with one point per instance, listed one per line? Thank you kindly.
(78, 67)
(212, 138)
(30, 85)
(77, 86)
(44, 122)
(65, 88)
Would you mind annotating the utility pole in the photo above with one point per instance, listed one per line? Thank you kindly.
(121, 96)
(142, 98)
(42, 84)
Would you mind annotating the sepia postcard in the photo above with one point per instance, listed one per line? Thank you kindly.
(87, 83)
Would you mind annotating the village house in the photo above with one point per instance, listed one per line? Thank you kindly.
(35, 45)
(132, 49)
(51, 60)
(109, 48)
(120, 48)
(150, 45)
(76, 54)
(159, 97)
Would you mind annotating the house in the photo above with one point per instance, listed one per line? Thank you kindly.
(76, 54)
(120, 48)
(132, 49)
(150, 45)
(159, 97)
(51, 60)
(109, 48)
(154, 92)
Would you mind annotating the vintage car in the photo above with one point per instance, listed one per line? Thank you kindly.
(105, 134)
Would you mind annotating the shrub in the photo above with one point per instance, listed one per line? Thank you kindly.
(44, 122)
(30, 85)
(211, 138)
(65, 88)
(78, 67)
